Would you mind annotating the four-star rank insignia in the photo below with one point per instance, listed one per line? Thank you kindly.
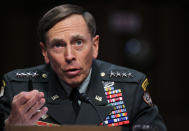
(118, 74)
(27, 74)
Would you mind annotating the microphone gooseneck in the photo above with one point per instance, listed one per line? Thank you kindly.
(85, 98)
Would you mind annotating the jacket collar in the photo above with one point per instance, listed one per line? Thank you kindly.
(61, 108)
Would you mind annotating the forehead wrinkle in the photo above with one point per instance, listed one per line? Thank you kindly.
(64, 28)
(73, 35)
(69, 23)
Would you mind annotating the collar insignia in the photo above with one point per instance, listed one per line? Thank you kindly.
(98, 98)
(54, 97)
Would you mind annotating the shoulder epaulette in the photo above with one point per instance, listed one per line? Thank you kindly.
(111, 72)
(122, 75)
(36, 74)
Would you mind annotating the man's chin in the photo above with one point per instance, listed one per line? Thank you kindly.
(74, 83)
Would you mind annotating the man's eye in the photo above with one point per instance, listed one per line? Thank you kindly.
(58, 45)
(78, 43)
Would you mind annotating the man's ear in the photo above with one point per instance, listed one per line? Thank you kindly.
(95, 46)
(44, 52)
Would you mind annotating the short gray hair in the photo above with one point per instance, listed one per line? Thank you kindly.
(61, 12)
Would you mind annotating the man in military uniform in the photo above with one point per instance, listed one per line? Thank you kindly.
(73, 87)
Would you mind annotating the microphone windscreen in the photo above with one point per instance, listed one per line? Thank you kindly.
(84, 97)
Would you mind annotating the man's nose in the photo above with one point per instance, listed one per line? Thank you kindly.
(69, 54)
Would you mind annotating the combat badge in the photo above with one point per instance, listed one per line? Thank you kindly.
(2, 88)
(147, 98)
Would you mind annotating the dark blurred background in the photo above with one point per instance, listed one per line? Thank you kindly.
(150, 36)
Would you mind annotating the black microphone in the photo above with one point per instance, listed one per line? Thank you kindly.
(85, 98)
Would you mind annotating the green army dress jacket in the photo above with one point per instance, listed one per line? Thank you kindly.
(119, 94)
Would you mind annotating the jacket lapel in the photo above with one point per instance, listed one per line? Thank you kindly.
(59, 106)
(95, 91)
(62, 113)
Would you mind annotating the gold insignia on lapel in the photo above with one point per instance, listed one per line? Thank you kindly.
(54, 97)
(145, 84)
(98, 98)
(2, 88)
(147, 98)
(102, 74)
(44, 116)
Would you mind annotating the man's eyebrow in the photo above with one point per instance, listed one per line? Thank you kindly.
(77, 37)
(56, 40)
(74, 38)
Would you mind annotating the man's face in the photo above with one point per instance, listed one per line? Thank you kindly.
(70, 49)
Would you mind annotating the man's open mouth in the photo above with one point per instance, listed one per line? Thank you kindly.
(72, 72)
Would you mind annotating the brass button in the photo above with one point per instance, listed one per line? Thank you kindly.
(44, 75)
(102, 74)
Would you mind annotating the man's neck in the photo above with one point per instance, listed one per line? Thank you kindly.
(82, 87)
